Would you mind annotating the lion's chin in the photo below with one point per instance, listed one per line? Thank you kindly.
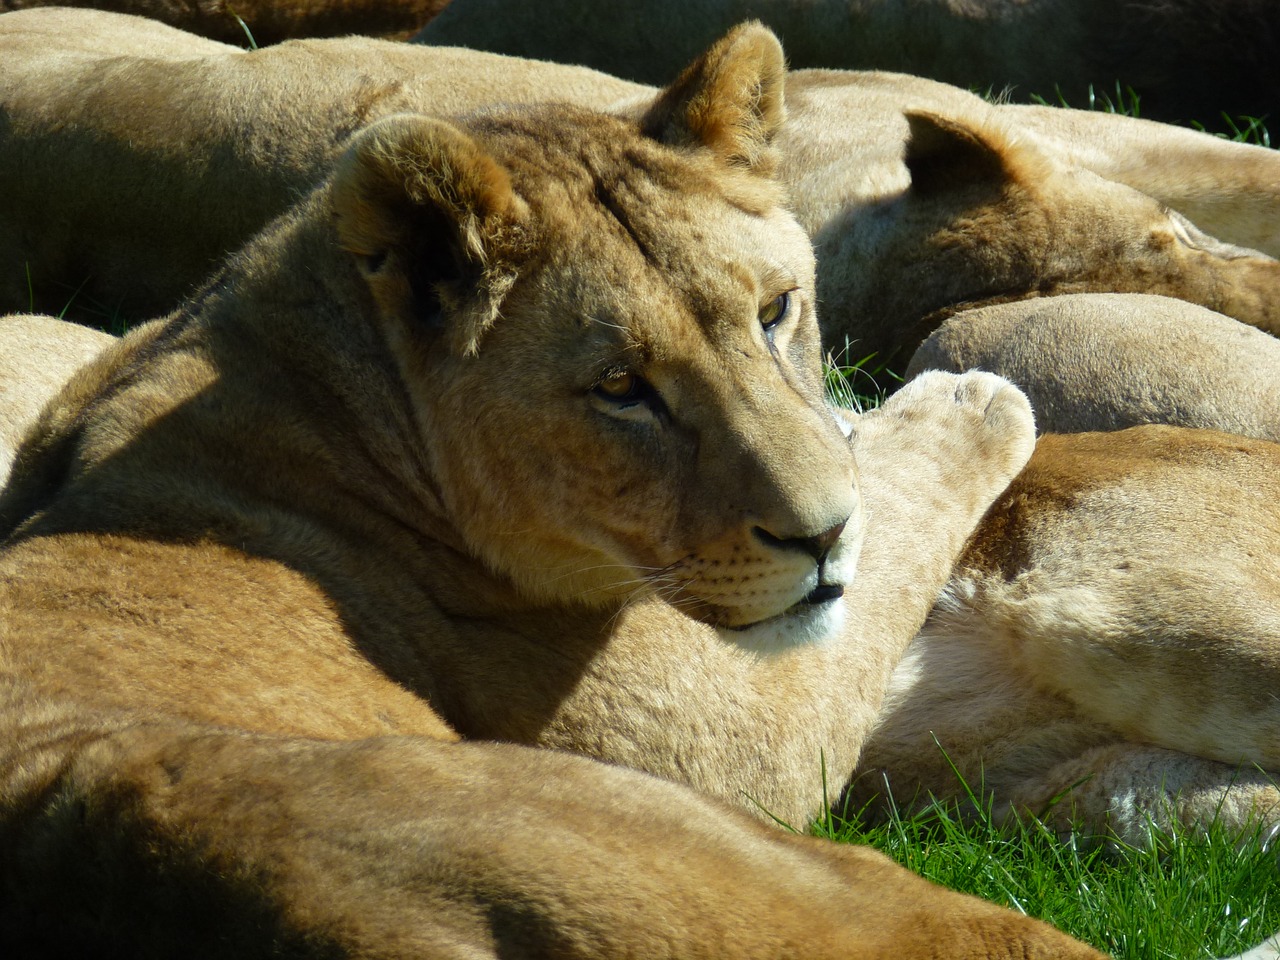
(805, 624)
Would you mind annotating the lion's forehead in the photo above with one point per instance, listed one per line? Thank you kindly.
(669, 218)
(571, 164)
(622, 263)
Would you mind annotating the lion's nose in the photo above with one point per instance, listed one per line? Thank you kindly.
(817, 546)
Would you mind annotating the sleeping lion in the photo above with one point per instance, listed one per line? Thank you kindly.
(268, 21)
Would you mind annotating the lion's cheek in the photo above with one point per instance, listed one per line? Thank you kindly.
(569, 527)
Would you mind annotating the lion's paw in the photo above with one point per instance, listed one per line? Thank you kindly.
(973, 431)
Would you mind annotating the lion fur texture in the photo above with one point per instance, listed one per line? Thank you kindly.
(1137, 532)
(1101, 361)
(959, 701)
(826, 89)
(40, 354)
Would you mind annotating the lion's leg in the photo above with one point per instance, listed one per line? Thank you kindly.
(961, 717)
(1145, 586)
(1130, 789)
(760, 729)
(161, 840)
(930, 462)
(1124, 588)
(1105, 361)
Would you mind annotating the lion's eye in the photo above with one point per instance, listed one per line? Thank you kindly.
(628, 395)
(772, 313)
(622, 388)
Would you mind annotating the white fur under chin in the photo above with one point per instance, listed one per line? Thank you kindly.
(804, 625)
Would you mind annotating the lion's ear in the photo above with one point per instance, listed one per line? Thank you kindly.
(942, 155)
(428, 216)
(729, 100)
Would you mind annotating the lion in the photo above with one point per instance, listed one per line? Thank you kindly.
(511, 430)
(1228, 189)
(977, 213)
(1186, 60)
(960, 712)
(666, 683)
(263, 22)
(169, 151)
(949, 206)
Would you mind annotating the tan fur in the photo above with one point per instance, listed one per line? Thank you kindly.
(194, 148)
(823, 97)
(1100, 362)
(267, 21)
(1188, 61)
(1268, 950)
(236, 136)
(1108, 649)
(1108, 361)
(39, 355)
(388, 481)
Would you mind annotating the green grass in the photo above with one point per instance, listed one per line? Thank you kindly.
(83, 309)
(1126, 101)
(1186, 894)
(857, 382)
(1242, 130)
(1190, 894)
(250, 42)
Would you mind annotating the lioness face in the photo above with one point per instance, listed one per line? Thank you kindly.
(647, 412)
(631, 399)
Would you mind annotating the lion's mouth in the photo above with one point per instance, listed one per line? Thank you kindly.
(822, 594)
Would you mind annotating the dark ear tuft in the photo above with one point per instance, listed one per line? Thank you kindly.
(943, 154)
(426, 211)
(729, 100)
